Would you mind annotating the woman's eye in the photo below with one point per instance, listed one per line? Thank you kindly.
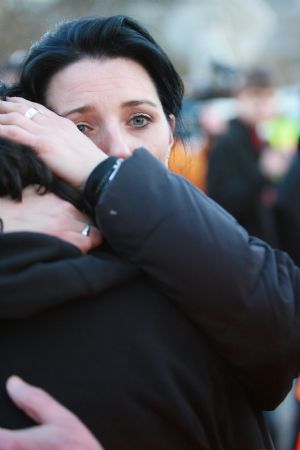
(139, 121)
(82, 127)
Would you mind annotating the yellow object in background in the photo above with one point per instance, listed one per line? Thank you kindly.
(282, 133)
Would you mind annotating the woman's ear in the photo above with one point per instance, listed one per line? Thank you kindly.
(172, 123)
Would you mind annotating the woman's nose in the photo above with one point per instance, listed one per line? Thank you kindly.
(119, 152)
(113, 143)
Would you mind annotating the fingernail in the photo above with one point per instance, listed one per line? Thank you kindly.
(14, 383)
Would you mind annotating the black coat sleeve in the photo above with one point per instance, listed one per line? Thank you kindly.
(243, 294)
(38, 272)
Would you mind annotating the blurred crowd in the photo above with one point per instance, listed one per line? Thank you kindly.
(243, 151)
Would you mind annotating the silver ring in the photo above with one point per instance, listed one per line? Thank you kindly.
(30, 113)
(86, 230)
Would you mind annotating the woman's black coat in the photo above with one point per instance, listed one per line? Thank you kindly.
(179, 348)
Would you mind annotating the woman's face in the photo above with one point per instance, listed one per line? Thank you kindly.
(115, 103)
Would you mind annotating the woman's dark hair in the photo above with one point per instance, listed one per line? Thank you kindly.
(4, 89)
(21, 167)
(100, 37)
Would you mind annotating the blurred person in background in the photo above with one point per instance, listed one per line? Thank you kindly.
(9, 68)
(213, 125)
(235, 177)
(288, 210)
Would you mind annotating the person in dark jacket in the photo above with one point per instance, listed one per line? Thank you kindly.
(159, 325)
(151, 380)
(235, 178)
(288, 211)
(123, 332)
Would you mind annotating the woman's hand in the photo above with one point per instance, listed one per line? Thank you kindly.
(66, 151)
(58, 428)
(48, 214)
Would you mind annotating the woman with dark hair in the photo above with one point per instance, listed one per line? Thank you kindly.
(197, 335)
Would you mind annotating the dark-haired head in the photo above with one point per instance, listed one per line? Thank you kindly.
(258, 78)
(101, 37)
(21, 167)
(255, 97)
(3, 90)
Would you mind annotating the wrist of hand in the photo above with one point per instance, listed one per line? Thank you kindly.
(99, 179)
(88, 168)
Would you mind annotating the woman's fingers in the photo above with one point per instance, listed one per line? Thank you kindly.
(81, 241)
(22, 105)
(27, 115)
(16, 126)
(19, 119)
(18, 134)
(35, 402)
(84, 243)
(67, 152)
(51, 215)
(12, 440)
(58, 429)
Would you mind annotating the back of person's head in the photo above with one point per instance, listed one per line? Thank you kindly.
(257, 79)
(255, 99)
(21, 167)
(100, 37)
(3, 90)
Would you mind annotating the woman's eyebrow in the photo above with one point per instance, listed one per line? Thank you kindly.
(90, 108)
(131, 103)
(79, 109)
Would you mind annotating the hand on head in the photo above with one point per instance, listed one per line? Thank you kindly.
(65, 150)
(103, 100)
(58, 428)
(49, 214)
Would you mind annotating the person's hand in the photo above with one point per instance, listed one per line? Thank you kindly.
(274, 163)
(58, 428)
(66, 151)
(48, 214)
